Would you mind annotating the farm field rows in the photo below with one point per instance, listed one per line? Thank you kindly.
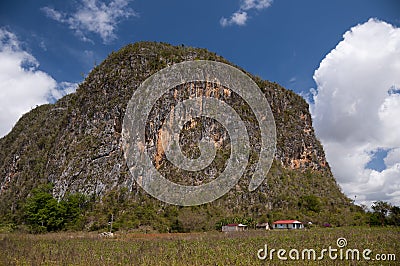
(209, 248)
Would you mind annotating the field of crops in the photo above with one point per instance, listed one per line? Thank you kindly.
(211, 248)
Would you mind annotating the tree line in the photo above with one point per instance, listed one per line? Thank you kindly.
(42, 213)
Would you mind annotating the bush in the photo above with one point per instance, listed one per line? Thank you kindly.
(43, 213)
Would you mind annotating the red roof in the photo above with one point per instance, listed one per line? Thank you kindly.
(232, 224)
(287, 222)
(240, 225)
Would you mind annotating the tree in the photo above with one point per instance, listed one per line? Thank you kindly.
(44, 213)
(395, 215)
(311, 203)
(381, 209)
(75, 204)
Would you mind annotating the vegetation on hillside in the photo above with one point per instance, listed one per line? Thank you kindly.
(43, 213)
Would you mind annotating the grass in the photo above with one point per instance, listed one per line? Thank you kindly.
(211, 248)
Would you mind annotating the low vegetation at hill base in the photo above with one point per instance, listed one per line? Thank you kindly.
(211, 248)
(42, 213)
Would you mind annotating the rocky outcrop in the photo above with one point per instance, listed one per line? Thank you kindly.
(76, 142)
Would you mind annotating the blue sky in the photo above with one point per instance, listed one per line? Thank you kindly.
(283, 43)
(48, 46)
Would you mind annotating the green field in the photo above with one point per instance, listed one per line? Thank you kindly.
(211, 248)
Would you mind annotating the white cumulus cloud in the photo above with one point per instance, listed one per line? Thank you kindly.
(356, 110)
(257, 4)
(95, 17)
(22, 85)
(240, 17)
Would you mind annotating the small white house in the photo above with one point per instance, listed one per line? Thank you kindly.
(234, 227)
(288, 224)
(264, 226)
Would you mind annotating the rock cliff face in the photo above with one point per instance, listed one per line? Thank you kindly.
(76, 142)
